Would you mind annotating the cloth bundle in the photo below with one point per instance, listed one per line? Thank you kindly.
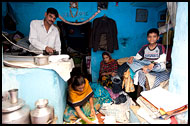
(121, 99)
(119, 112)
(122, 69)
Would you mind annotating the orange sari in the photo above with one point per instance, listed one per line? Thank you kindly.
(77, 98)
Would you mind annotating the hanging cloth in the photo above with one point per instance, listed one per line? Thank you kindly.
(104, 35)
(9, 19)
(172, 8)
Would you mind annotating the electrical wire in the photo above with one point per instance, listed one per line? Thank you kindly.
(20, 46)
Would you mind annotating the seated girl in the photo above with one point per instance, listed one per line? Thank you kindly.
(108, 68)
(81, 103)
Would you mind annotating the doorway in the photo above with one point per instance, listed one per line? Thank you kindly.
(75, 42)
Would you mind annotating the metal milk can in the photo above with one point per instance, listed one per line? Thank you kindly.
(43, 113)
(14, 110)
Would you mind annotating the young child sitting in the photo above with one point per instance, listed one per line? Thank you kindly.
(150, 58)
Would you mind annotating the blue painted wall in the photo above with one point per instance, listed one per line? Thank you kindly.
(179, 75)
(134, 32)
(124, 14)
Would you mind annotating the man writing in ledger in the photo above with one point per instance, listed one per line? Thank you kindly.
(44, 35)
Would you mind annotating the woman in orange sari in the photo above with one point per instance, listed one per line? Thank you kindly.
(80, 97)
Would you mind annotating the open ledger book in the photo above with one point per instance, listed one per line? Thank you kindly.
(165, 102)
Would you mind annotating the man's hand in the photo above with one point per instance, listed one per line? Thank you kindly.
(130, 60)
(49, 50)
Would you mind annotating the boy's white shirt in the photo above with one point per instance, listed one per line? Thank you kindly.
(162, 58)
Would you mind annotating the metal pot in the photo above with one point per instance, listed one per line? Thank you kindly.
(14, 110)
(41, 60)
(20, 116)
(43, 113)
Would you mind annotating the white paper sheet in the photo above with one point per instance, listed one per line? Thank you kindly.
(162, 98)
(142, 112)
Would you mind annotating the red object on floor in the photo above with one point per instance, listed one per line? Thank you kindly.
(173, 120)
(100, 120)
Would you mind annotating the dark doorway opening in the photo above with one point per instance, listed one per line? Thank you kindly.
(76, 37)
(75, 42)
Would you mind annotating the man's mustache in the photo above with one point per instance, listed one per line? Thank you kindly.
(51, 21)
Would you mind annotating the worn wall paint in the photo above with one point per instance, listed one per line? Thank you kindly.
(55, 88)
(134, 32)
(124, 14)
(179, 75)
(27, 11)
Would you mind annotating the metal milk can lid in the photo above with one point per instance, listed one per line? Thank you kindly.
(7, 106)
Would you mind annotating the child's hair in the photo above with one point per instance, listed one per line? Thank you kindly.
(77, 81)
(106, 53)
(52, 11)
(153, 30)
